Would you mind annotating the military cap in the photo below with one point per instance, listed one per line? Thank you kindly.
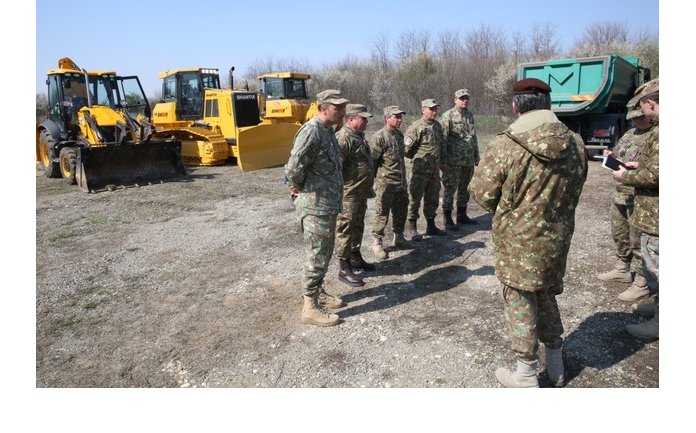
(357, 110)
(635, 113)
(392, 110)
(461, 93)
(530, 86)
(331, 96)
(430, 103)
(652, 86)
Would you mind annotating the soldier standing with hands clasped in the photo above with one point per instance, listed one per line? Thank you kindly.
(531, 177)
(314, 174)
(358, 172)
(460, 154)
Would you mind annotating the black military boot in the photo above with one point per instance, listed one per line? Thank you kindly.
(462, 218)
(449, 224)
(411, 229)
(357, 262)
(347, 276)
(432, 229)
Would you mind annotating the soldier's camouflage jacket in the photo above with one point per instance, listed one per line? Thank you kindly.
(627, 150)
(423, 145)
(315, 169)
(461, 143)
(358, 168)
(387, 149)
(646, 181)
(531, 177)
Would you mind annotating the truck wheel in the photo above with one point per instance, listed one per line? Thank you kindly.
(68, 159)
(46, 151)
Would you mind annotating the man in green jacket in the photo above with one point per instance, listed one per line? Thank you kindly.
(531, 177)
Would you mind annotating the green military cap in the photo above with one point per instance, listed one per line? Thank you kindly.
(392, 110)
(461, 93)
(652, 86)
(331, 96)
(634, 109)
(635, 113)
(430, 103)
(357, 110)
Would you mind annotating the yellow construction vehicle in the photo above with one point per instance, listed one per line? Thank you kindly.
(215, 124)
(98, 134)
(284, 97)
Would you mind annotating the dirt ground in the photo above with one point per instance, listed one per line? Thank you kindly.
(197, 284)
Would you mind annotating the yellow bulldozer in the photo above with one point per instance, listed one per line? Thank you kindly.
(216, 124)
(98, 134)
(284, 97)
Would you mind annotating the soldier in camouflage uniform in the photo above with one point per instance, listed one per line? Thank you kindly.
(460, 154)
(627, 237)
(387, 147)
(314, 174)
(531, 177)
(358, 176)
(645, 178)
(423, 146)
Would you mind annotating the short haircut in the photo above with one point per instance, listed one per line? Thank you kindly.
(529, 102)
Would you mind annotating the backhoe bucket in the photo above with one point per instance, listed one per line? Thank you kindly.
(264, 145)
(102, 167)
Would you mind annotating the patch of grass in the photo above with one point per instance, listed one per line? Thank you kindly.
(440, 381)
(61, 237)
(134, 249)
(61, 323)
(90, 305)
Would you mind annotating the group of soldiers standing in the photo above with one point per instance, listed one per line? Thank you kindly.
(530, 178)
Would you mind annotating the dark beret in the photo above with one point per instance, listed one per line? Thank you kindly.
(530, 86)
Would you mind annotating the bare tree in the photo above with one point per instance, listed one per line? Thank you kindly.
(543, 41)
(604, 37)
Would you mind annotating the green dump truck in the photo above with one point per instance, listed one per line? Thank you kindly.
(590, 94)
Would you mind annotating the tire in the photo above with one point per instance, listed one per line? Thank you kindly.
(46, 155)
(67, 163)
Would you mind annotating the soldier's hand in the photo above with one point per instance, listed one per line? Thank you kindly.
(618, 173)
(632, 164)
(293, 190)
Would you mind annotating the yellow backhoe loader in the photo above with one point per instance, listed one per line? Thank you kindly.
(98, 134)
(215, 124)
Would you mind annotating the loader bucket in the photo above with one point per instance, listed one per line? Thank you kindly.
(102, 167)
(264, 145)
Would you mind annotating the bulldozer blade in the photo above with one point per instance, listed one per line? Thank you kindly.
(264, 145)
(102, 167)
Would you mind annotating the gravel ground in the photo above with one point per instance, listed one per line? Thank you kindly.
(197, 284)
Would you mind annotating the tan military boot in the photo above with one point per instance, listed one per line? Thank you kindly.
(649, 330)
(554, 366)
(524, 377)
(638, 290)
(313, 314)
(378, 250)
(621, 273)
(401, 242)
(330, 302)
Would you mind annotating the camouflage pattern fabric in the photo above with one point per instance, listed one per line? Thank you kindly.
(456, 178)
(319, 233)
(358, 167)
(461, 143)
(387, 149)
(350, 226)
(626, 237)
(531, 177)
(532, 317)
(627, 149)
(423, 146)
(315, 169)
(650, 247)
(390, 198)
(646, 180)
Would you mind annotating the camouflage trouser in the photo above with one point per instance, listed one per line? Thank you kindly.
(456, 178)
(390, 198)
(532, 317)
(650, 246)
(350, 225)
(425, 186)
(626, 237)
(319, 232)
